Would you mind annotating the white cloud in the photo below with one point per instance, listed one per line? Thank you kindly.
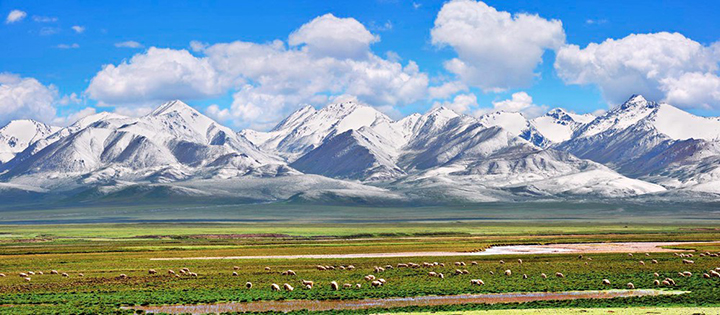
(331, 36)
(446, 89)
(73, 117)
(129, 44)
(78, 29)
(15, 16)
(496, 50)
(44, 19)
(661, 66)
(461, 103)
(68, 46)
(155, 76)
(25, 98)
(520, 102)
(45, 31)
(267, 80)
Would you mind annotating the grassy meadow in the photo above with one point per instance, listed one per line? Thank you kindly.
(102, 252)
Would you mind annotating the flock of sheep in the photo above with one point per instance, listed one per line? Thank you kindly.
(379, 282)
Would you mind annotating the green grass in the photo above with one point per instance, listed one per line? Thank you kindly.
(103, 251)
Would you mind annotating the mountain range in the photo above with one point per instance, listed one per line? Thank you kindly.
(351, 153)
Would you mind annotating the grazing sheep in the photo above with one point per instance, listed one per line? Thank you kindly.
(342, 267)
(31, 273)
(559, 275)
(714, 273)
(465, 272)
(474, 263)
(379, 269)
(347, 286)
(267, 269)
(458, 272)
(177, 276)
(235, 274)
(170, 272)
(53, 272)
(369, 278)
(23, 275)
(194, 275)
(492, 272)
(687, 274)
(654, 261)
(401, 265)
(182, 271)
(441, 276)
(442, 264)
(351, 267)
(289, 273)
(630, 285)
(2, 275)
(80, 275)
(508, 272)
(376, 284)
(589, 258)
(357, 285)
(657, 282)
(122, 276)
(185, 269)
(432, 274)
(630, 254)
(647, 254)
(657, 275)
(321, 268)
(248, 285)
(382, 280)
(525, 276)
(152, 271)
(388, 267)
(642, 263)
(308, 283)
(606, 282)
(680, 274)
(580, 256)
(274, 287)
(288, 287)
(519, 261)
(706, 276)
(236, 267)
(670, 280)
(40, 273)
(27, 279)
(334, 286)
(457, 263)
(688, 262)
(665, 283)
(544, 276)
(64, 274)
(502, 262)
(476, 282)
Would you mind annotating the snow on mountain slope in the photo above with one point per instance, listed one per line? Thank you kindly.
(17, 135)
(559, 125)
(159, 146)
(307, 128)
(354, 154)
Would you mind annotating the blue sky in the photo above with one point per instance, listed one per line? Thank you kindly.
(43, 46)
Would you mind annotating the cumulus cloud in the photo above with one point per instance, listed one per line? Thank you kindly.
(73, 117)
(324, 58)
(495, 50)
(25, 98)
(661, 66)
(446, 89)
(129, 44)
(520, 102)
(461, 103)
(155, 76)
(331, 36)
(78, 29)
(15, 16)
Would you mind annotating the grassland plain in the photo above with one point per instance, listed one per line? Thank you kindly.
(101, 252)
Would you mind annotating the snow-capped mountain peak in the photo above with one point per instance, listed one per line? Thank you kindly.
(17, 135)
